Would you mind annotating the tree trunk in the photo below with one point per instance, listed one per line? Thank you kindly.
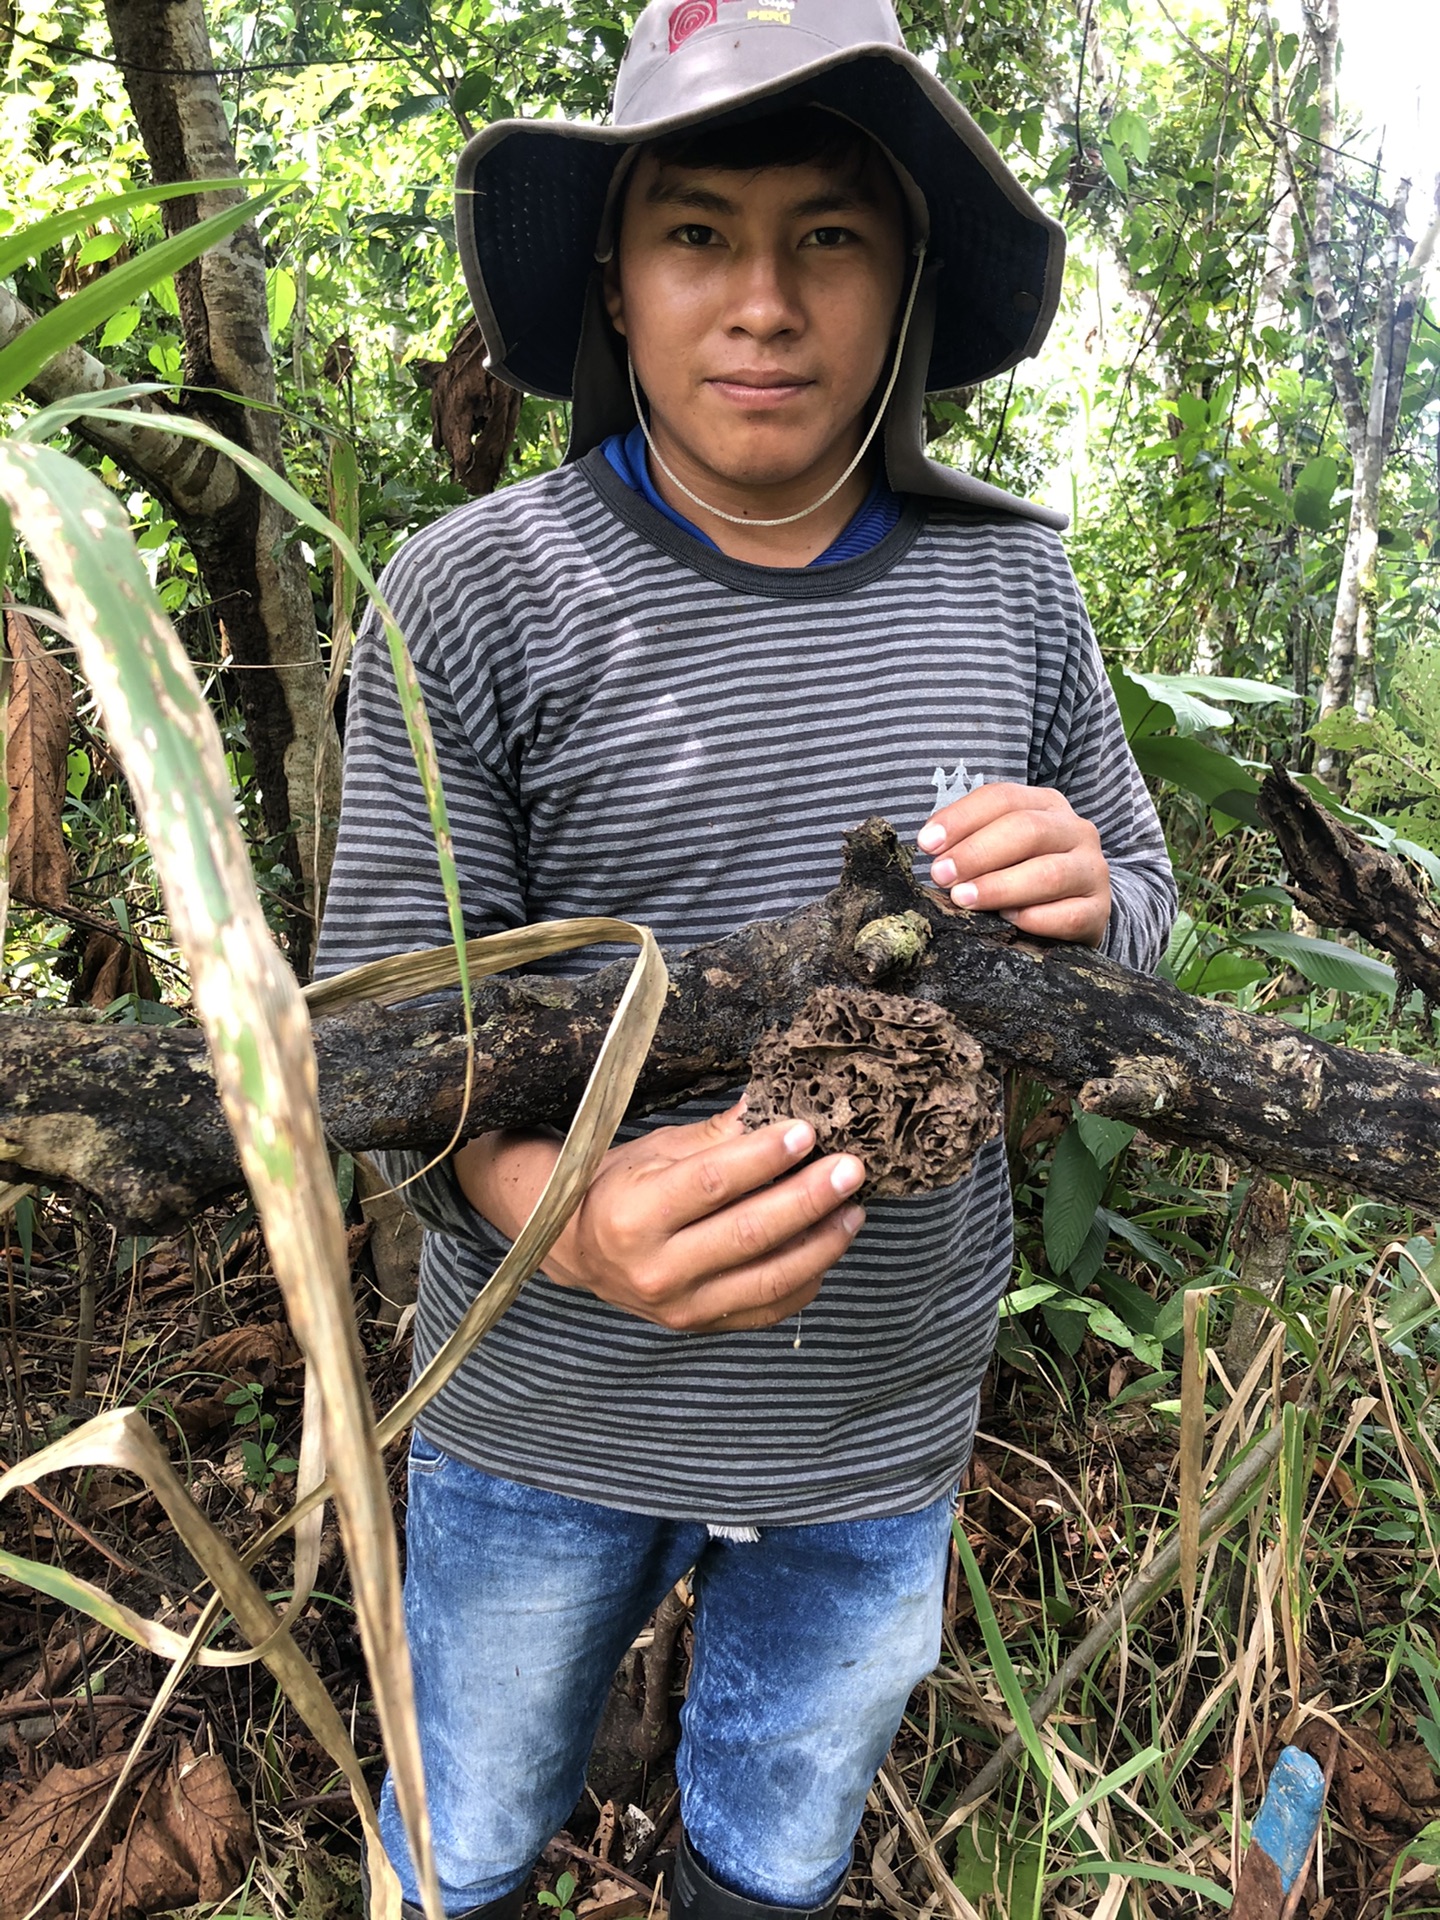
(251, 569)
(1350, 663)
(1370, 419)
(129, 1116)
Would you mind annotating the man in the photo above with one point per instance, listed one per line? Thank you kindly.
(745, 614)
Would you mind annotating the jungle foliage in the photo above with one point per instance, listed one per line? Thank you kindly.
(1169, 1311)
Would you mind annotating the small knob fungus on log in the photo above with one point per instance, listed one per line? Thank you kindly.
(895, 1080)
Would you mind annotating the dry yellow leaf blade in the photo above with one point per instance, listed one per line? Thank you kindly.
(255, 1022)
(1192, 1439)
(602, 1106)
(407, 976)
(123, 1440)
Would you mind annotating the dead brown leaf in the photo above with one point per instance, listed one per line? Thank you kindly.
(37, 731)
(1380, 1791)
(40, 1833)
(189, 1840)
(255, 1352)
(109, 967)
(473, 416)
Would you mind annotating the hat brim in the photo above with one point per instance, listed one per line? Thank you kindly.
(531, 198)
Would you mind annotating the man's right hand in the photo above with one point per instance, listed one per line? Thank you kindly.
(707, 1228)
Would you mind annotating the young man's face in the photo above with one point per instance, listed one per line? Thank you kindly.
(759, 309)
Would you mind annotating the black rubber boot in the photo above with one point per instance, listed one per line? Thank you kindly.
(507, 1907)
(697, 1895)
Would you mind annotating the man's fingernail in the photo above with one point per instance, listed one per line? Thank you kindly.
(799, 1138)
(930, 836)
(965, 895)
(943, 873)
(852, 1219)
(741, 1104)
(847, 1173)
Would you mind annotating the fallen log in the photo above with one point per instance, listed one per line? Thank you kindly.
(128, 1115)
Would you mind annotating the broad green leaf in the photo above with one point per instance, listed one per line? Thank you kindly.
(1192, 697)
(1211, 776)
(1217, 686)
(279, 299)
(99, 246)
(1423, 857)
(1142, 711)
(1193, 411)
(1345, 730)
(1071, 1197)
(1326, 963)
(1106, 1324)
(119, 327)
(473, 90)
(1313, 494)
(1114, 164)
(1144, 1243)
(1182, 948)
(1225, 972)
(1150, 702)
(1024, 1298)
(1131, 131)
(1104, 1138)
(417, 106)
(80, 315)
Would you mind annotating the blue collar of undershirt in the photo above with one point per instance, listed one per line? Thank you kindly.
(879, 515)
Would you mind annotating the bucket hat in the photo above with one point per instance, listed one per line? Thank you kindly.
(534, 206)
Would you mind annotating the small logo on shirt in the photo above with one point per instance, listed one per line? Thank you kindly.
(689, 17)
(950, 787)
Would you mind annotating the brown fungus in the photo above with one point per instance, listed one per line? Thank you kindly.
(894, 1080)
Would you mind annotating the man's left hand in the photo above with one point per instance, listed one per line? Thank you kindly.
(1024, 853)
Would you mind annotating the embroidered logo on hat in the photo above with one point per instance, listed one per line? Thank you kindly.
(689, 17)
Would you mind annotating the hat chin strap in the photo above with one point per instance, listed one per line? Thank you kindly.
(789, 519)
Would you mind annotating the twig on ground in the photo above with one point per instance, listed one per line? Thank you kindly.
(605, 1867)
(651, 1738)
(55, 1703)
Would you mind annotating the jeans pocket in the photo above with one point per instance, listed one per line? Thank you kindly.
(425, 1456)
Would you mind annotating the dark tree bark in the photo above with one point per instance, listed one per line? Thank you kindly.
(129, 1116)
(253, 573)
(1342, 881)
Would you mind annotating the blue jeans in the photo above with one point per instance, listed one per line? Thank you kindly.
(519, 1607)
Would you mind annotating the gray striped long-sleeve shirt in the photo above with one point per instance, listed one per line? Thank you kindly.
(631, 723)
